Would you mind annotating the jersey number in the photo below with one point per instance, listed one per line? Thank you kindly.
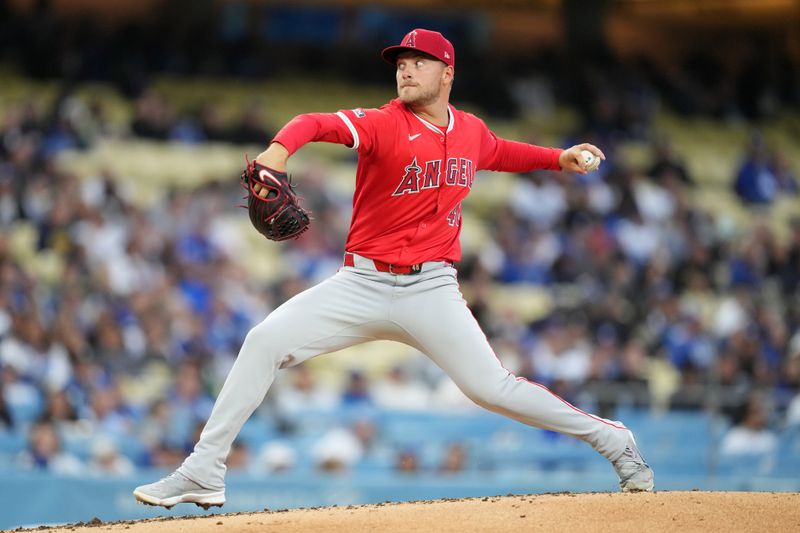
(454, 218)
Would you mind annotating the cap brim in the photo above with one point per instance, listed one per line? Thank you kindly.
(390, 54)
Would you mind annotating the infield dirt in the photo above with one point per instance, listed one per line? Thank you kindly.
(573, 513)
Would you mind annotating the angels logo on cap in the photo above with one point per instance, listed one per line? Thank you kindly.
(432, 43)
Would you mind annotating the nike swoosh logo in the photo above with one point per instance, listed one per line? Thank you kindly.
(412, 137)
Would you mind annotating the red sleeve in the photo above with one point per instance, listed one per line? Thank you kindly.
(313, 127)
(512, 156)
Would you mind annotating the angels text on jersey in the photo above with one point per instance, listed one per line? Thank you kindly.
(459, 172)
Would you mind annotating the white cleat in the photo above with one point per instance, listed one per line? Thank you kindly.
(177, 488)
(635, 475)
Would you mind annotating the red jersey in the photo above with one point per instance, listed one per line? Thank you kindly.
(412, 175)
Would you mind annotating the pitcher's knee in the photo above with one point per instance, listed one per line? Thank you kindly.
(486, 397)
(263, 341)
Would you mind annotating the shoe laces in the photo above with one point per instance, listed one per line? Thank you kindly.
(630, 453)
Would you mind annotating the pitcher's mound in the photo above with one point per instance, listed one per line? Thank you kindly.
(573, 513)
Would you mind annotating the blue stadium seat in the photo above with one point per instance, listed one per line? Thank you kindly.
(12, 442)
(79, 446)
(256, 432)
(545, 451)
(678, 442)
(745, 465)
(414, 428)
(133, 449)
(787, 457)
(25, 413)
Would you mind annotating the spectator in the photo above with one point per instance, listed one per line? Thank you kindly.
(31, 351)
(632, 375)
(304, 393)
(250, 128)
(340, 448)
(688, 344)
(539, 198)
(756, 183)
(751, 435)
(60, 411)
(454, 459)
(562, 354)
(356, 391)
(44, 452)
(406, 462)
(337, 450)
(638, 239)
(189, 403)
(22, 399)
(8, 203)
(187, 129)
(785, 177)
(166, 456)
(108, 415)
(212, 124)
(106, 460)
(667, 165)
(789, 266)
(276, 457)
(239, 457)
(153, 117)
(734, 381)
(793, 412)
(6, 422)
(155, 427)
(793, 377)
(400, 392)
(366, 432)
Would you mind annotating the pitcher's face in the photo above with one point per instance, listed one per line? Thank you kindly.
(420, 78)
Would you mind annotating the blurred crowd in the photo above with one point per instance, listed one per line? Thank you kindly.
(755, 77)
(156, 119)
(118, 322)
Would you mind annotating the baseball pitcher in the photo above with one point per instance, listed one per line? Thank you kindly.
(417, 159)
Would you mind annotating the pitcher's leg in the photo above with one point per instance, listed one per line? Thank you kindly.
(248, 381)
(441, 325)
(337, 313)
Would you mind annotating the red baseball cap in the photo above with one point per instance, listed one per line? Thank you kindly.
(430, 42)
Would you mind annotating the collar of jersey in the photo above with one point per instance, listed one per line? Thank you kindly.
(431, 127)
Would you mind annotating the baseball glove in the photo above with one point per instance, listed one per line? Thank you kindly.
(272, 203)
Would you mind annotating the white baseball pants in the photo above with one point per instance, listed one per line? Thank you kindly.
(359, 304)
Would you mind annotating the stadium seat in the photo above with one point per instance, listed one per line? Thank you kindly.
(12, 442)
(787, 457)
(24, 413)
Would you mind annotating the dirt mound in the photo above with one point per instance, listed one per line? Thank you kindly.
(575, 513)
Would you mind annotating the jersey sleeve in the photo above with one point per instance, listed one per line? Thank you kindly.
(512, 156)
(355, 128)
(313, 127)
(365, 126)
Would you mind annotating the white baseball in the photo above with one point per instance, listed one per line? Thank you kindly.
(591, 160)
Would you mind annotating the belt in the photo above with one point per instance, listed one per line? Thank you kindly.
(380, 266)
